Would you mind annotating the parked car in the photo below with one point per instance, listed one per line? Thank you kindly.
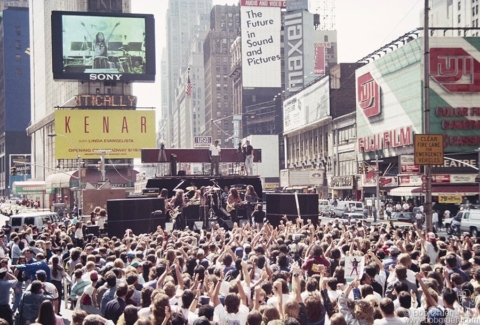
(353, 215)
(466, 220)
(325, 208)
(403, 216)
(340, 208)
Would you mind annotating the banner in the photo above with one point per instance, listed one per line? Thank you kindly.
(319, 59)
(261, 47)
(455, 199)
(123, 132)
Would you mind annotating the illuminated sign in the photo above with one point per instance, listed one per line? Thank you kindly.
(123, 132)
(105, 101)
(368, 95)
(388, 139)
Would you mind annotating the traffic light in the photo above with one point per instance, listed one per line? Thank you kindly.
(13, 171)
(360, 169)
(100, 165)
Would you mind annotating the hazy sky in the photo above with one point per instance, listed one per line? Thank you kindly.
(362, 27)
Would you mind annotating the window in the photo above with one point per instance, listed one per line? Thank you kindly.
(18, 30)
(459, 5)
(18, 44)
(18, 58)
(459, 19)
(473, 11)
(325, 38)
(18, 72)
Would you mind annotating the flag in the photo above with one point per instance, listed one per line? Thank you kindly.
(188, 87)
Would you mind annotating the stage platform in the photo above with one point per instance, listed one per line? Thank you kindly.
(170, 182)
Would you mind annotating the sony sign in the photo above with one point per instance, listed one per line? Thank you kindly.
(105, 76)
(299, 49)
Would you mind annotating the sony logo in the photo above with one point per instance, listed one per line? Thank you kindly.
(105, 76)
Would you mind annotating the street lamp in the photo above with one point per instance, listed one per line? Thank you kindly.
(79, 165)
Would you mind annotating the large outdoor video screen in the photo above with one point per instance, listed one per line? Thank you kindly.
(103, 47)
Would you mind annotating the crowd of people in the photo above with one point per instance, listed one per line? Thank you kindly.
(293, 274)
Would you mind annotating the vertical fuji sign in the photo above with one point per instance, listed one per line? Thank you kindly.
(368, 95)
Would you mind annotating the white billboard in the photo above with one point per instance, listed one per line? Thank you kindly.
(308, 106)
(261, 50)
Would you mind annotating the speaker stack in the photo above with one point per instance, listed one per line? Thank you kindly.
(280, 204)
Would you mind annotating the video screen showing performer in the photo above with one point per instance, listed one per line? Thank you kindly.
(102, 44)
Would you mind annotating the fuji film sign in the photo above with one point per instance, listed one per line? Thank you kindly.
(368, 95)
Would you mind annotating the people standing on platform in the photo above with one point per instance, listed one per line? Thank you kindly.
(248, 152)
(215, 151)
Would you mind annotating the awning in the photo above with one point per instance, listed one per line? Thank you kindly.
(406, 191)
(59, 180)
(465, 190)
(28, 187)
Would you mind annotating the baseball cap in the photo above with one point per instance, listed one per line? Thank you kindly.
(41, 272)
(431, 236)
(200, 252)
(238, 251)
(204, 300)
(135, 264)
(394, 250)
(131, 255)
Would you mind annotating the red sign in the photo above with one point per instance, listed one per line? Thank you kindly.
(368, 95)
(264, 3)
(454, 69)
(319, 59)
(410, 169)
(436, 179)
(388, 181)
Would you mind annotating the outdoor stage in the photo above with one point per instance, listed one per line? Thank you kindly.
(171, 182)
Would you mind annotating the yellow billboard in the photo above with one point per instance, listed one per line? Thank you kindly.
(122, 132)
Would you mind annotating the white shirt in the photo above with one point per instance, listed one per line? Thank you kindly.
(273, 301)
(446, 214)
(454, 316)
(405, 206)
(49, 288)
(215, 150)
(231, 319)
(391, 321)
(435, 217)
(392, 278)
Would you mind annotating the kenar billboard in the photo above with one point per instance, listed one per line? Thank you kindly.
(123, 132)
(389, 97)
(455, 92)
(308, 106)
(261, 48)
(103, 47)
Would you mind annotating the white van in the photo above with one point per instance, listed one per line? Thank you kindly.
(469, 222)
(324, 208)
(38, 219)
(340, 208)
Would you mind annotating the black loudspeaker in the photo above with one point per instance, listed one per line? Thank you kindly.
(280, 204)
(94, 230)
(173, 164)
(135, 214)
(222, 213)
(182, 173)
(225, 224)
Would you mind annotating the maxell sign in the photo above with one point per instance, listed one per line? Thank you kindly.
(299, 49)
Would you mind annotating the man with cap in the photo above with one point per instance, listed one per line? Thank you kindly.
(49, 288)
(239, 252)
(32, 268)
(7, 282)
(393, 252)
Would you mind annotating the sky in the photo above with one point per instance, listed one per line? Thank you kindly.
(362, 27)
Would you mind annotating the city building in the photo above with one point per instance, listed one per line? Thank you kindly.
(453, 18)
(181, 19)
(14, 98)
(224, 29)
(61, 176)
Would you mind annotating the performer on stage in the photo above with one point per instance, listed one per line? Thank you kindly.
(251, 198)
(234, 201)
(164, 195)
(177, 203)
(250, 195)
(248, 151)
(215, 158)
(225, 194)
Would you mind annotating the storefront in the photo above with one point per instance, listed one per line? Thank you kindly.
(343, 187)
